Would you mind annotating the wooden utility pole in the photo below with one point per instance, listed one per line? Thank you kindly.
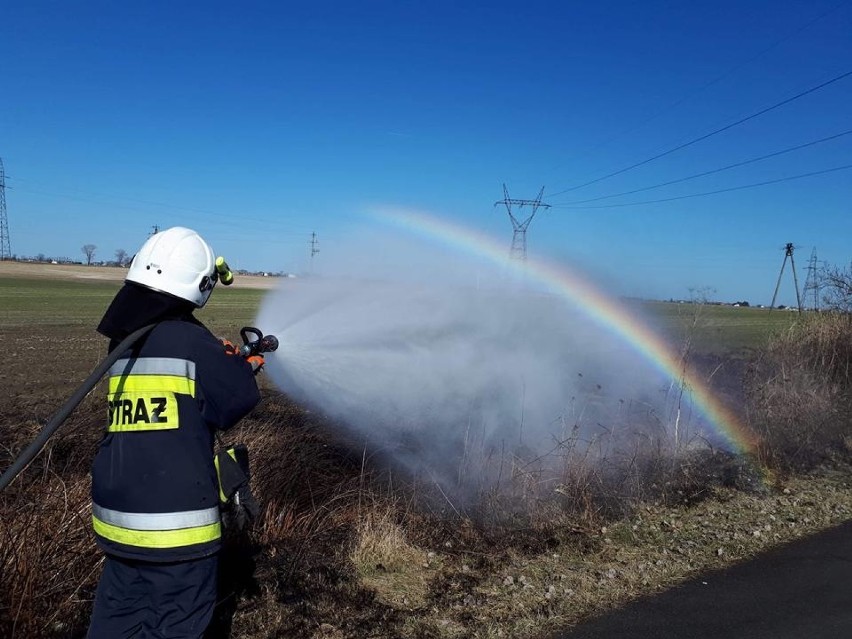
(788, 252)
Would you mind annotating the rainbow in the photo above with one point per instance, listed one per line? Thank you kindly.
(600, 308)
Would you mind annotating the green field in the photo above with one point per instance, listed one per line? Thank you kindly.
(78, 306)
(48, 334)
(26, 303)
(719, 329)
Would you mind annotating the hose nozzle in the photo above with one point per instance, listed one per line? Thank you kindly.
(224, 271)
(261, 344)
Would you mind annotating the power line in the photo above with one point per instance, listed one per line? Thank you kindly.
(108, 196)
(716, 80)
(228, 218)
(711, 134)
(728, 190)
(719, 170)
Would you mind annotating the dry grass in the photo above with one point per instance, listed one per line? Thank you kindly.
(48, 562)
(349, 546)
(801, 393)
(656, 547)
(387, 562)
(340, 551)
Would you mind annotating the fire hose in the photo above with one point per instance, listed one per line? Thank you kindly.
(261, 344)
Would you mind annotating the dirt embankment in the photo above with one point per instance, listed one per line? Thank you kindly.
(103, 273)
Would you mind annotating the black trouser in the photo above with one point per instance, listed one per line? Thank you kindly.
(143, 600)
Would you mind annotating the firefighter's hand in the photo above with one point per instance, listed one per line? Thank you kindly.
(230, 348)
(256, 362)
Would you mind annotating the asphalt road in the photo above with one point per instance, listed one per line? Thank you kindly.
(799, 591)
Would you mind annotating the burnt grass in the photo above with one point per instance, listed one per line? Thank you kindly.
(293, 575)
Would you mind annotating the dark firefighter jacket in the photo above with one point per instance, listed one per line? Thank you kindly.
(154, 486)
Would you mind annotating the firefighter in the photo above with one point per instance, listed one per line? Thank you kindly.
(155, 493)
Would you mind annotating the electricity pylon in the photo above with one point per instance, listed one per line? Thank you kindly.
(812, 280)
(519, 236)
(5, 246)
(314, 249)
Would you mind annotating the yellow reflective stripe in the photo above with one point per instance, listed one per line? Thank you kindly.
(147, 398)
(136, 428)
(233, 455)
(129, 412)
(158, 538)
(151, 384)
(222, 497)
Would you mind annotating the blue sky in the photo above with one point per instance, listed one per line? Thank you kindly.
(259, 123)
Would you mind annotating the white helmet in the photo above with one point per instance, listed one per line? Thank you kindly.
(178, 262)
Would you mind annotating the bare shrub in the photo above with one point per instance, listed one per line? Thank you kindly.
(800, 392)
(835, 283)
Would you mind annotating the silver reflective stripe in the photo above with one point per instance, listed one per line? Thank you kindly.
(157, 521)
(153, 366)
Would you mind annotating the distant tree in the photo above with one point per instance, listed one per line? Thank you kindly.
(89, 252)
(835, 284)
(121, 257)
(701, 294)
(41, 257)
